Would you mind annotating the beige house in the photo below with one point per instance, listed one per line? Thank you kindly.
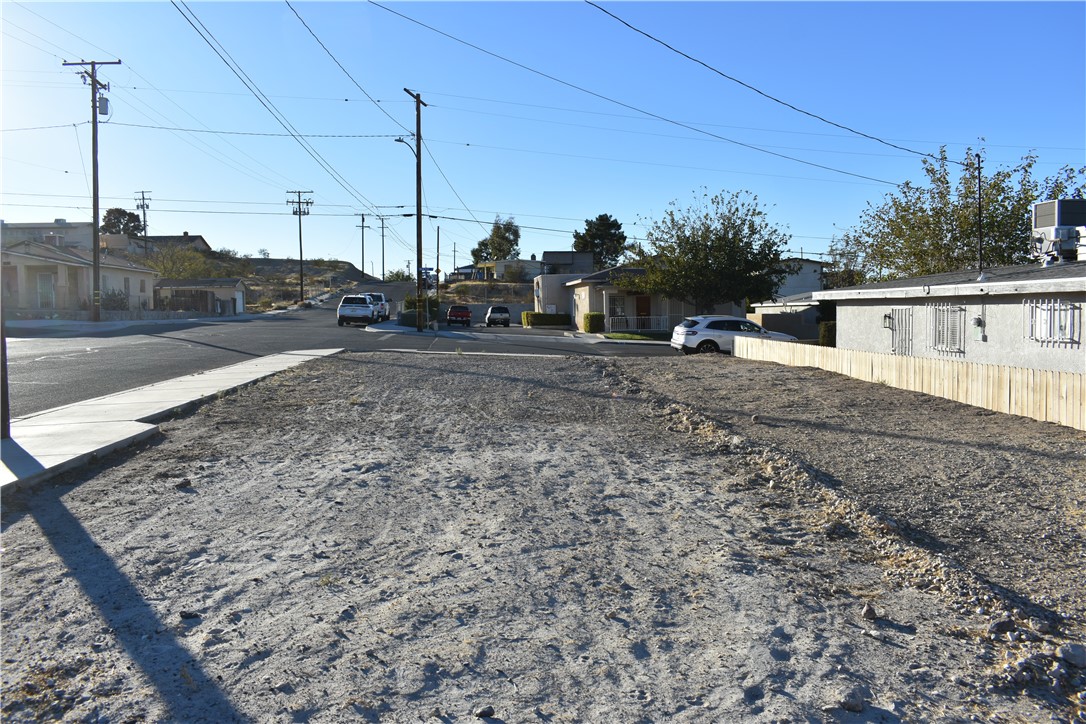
(578, 294)
(39, 278)
(224, 297)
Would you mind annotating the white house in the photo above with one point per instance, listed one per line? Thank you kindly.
(1023, 316)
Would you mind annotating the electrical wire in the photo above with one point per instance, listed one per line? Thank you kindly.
(627, 105)
(756, 90)
(221, 51)
(340, 66)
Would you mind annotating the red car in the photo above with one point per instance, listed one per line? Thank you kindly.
(458, 314)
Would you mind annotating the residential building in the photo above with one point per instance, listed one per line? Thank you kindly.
(40, 278)
(1027, 316)
(208, 296)
(59, 233)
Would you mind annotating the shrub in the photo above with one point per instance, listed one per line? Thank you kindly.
(593, 322)
(115, 300)
(539, 319)
(411, 303)
(827, 334)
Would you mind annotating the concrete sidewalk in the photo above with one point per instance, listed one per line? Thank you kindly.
(49, 442)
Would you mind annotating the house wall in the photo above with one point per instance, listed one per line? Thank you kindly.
(551, 289)
(1002, 340)
(807, 279)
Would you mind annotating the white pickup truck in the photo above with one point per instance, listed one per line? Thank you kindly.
(356, 309)
(381, 302)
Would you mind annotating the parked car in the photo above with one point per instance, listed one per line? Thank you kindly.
(381, 303)
(356, 309)
(458, 314)
(497, 315)
(717, 333)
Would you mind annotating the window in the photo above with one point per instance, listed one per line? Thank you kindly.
(901, 331)
(947, 328)
(1056, 321)
(143, 286)
(616, 306)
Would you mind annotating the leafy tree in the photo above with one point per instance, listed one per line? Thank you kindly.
(721, 249)
(175, 262)
(503, 242)
(399, 275)
(263, 253)
(603, 236)
(119, 221)
(932, 228)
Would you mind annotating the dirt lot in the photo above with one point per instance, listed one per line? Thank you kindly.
(403, 537)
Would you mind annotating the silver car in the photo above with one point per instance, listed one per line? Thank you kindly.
(717, 333)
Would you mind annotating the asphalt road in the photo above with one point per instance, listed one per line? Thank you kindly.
(47, 370)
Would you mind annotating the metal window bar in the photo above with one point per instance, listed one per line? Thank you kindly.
(1052, 320)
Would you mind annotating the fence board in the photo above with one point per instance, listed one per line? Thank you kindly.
(1045, 395)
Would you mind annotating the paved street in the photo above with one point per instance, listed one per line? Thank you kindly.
(53, 368)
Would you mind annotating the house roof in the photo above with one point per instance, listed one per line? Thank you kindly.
(197, 283)
(607, 276)
(72, 256)
(177, 239)
(1068, 276)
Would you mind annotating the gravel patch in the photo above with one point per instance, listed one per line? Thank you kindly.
(407, 537)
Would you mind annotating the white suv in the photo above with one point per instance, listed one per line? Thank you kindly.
(356, 309)
(717, 333)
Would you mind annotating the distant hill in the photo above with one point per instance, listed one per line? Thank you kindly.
(342, 270)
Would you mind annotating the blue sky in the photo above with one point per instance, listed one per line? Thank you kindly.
(558, 114)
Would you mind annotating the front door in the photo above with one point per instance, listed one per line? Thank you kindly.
(644, 311)
(46, 291)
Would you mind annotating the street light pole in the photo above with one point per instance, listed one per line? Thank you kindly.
(418, 205)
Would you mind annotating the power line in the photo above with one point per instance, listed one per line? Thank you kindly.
(258, 133)
(207, 36)
(756, 90)
(340, 66)
(627, 105)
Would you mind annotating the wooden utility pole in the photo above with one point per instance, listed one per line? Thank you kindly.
(91, 78)
(301, 208)
(418, 203)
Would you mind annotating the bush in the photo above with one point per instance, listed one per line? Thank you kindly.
(410, 303)
(115, 300)
(539, 319)
(593, 322)
(827, 334)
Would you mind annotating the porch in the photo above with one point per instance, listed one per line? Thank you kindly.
(642, 323)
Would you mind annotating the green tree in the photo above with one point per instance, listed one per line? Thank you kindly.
(399, 275)
(503, 242)
(721, 249)
(931, 228)
(119, 221)
(603, 236)
(174, 262)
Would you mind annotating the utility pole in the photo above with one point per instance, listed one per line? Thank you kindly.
(91, 79)
(301, 208)
(363, 227)
(437, 275)
(980, 233)
(141, 204)
(418, 202)
(382, 248)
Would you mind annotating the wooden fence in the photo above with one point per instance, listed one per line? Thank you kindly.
(1045, 395)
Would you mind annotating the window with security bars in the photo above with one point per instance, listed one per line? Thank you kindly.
(1057, 321)
(901, 331)
(947, 328)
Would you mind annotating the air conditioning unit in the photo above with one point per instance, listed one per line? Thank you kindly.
(1059, 243)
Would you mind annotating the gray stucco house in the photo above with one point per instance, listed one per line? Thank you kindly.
(1028, 316)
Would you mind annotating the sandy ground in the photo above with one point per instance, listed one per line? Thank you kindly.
(410, 537)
